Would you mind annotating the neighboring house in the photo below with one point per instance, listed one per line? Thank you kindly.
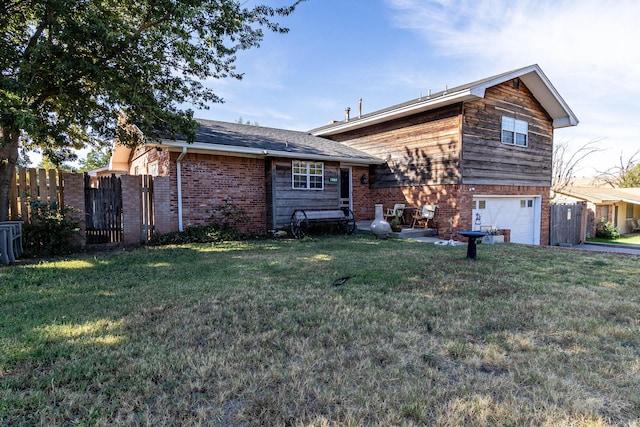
(267, 172)
(617, 205)
(480, 152)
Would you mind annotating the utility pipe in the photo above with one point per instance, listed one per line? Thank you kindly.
(178, 170)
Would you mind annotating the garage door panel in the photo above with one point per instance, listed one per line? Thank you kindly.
(514, 213)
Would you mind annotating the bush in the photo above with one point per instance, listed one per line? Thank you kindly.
(606, 230)
(195, 234)
(225, 218)
(50, 232)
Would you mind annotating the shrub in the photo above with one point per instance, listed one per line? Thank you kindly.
(225, 219)
(195, 234)
(606, 230)
(50, 232)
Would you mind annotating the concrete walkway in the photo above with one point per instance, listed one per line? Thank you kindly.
(419, 235)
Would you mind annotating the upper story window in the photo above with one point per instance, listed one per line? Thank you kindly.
(515, 132)
(308, 175)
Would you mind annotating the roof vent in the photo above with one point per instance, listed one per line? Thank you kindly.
(346, 114)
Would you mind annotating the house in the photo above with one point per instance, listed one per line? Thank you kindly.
(620, 206)
(481, 152)
(264, 171)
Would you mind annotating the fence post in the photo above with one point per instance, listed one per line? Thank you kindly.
(162, 205)
(74, 199)
(131, 209)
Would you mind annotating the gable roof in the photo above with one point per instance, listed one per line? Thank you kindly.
(600, 195)
(532, 76)
(216, 137)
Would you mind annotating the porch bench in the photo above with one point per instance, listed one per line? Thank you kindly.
(302, 219)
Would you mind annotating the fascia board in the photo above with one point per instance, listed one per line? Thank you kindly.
(261, 153)
(403, 111)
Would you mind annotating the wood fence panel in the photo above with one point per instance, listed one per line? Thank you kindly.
(566, 225)
(103, 208)
(146, 192)
(33, 185)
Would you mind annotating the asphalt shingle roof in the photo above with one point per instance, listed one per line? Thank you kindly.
(275, 140)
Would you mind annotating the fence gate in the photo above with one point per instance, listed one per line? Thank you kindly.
(566, 224)
(103, 207)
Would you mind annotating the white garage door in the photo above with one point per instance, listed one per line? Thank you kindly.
(520, 214)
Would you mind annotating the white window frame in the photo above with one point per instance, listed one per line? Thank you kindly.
(307, 175)
(152, 168)
(514, 132)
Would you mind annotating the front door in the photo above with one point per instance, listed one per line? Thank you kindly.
(345, 188)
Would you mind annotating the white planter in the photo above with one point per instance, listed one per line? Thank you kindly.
(490, 240)
(379, 227)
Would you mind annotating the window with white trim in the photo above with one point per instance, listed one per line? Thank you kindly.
(152, 168)
(515, 132)
(307, 175)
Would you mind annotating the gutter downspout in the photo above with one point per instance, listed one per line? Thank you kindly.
(178, 170)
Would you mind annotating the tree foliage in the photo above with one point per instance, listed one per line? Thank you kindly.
(625, 174)
(566, 164)
(96, 158)
(70, 66)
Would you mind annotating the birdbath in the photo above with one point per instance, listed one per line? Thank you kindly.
(471, 237)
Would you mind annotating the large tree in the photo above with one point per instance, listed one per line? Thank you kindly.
(69, 67)
(625, 174)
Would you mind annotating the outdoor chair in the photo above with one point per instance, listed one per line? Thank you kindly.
(397, 211)
(419, 217)
(10, 241)
(634, 224)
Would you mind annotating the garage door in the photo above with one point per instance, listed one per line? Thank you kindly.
(520, 214)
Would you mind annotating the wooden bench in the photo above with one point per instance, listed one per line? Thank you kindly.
(302, 219)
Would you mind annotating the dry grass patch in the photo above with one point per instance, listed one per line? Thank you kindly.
(244, 334)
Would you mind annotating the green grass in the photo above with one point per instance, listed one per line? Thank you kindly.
(629, 239)
(254, 333)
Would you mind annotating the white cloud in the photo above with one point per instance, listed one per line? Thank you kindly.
(586, 47)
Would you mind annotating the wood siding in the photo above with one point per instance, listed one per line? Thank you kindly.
(283, 199)
(485, 159)
(423, 149)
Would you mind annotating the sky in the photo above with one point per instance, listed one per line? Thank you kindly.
(386, 52)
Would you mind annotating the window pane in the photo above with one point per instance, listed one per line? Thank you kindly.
(482, 204)
(508, 123)
(507, 137)
(521, 127)
(521, 139)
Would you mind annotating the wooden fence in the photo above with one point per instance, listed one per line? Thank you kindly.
(567, 224)
(103, 209)
(34, 185)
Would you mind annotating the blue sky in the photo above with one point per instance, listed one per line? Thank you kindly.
(391, 51)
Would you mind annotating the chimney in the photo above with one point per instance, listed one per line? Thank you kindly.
(346, 114)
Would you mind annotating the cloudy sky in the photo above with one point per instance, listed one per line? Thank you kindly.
(391, 51)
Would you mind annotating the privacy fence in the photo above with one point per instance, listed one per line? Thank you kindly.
(568, 223)
(110, 209)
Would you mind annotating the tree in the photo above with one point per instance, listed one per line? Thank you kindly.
(565, 164)
(68, 67)
(96, 158)
(625, 174)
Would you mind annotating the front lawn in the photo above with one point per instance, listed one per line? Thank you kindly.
(628, 239)
(265, 333)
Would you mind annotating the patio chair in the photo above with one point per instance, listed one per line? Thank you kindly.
(427, 213)
(398, 210)
(635, 225)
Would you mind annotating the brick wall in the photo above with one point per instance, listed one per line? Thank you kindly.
(455, 203)
(209, 181)
(73, 187)
(131, 209)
